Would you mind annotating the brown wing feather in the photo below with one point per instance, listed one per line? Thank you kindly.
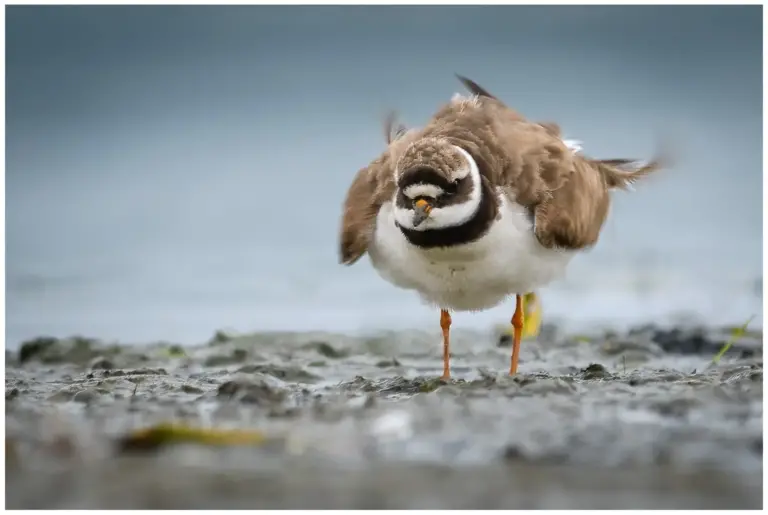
(370, 189)
(568, 194)
(360, 208)
(392, 129)
(574, 213)
(474, 87)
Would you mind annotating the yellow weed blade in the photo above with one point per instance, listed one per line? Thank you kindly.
(735, 335)
(167, 434)
(531, 315)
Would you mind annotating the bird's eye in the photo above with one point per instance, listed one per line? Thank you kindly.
(453, 186)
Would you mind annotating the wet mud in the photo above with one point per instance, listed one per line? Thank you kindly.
(642, 419)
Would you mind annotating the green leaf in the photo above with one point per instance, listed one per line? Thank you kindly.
(735, 335)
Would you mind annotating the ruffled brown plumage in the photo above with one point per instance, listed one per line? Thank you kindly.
(568, 194)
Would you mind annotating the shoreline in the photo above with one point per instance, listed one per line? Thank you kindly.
(644, 411)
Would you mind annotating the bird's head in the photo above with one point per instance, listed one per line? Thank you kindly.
(438, 186)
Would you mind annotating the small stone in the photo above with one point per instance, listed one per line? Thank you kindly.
(523, 380)
(387, 363)
(188, 388)
(595, 371)
(327, 350)
(259, 391)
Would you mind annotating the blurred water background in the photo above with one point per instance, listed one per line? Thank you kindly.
(174, 170)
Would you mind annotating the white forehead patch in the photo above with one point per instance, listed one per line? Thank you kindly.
(423, 190)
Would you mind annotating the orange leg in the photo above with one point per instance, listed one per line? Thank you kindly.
(445, 323)
(517, 323)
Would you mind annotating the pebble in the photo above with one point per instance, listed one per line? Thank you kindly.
(255, 390)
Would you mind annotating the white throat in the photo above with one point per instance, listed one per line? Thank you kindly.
(454, 214)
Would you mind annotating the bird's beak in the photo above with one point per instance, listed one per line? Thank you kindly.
(421, 210)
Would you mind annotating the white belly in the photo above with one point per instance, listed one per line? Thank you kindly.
(507, 260)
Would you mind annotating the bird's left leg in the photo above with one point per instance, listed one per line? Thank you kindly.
(517, 323)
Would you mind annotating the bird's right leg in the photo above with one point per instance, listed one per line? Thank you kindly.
(445, 324)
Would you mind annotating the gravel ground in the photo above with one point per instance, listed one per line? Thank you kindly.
(635, 420)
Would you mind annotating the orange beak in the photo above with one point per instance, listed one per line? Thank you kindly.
(421, 210)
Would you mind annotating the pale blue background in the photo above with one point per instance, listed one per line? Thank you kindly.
(151, 152)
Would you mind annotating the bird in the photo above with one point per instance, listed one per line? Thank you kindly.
(531, 304)
(477, 206)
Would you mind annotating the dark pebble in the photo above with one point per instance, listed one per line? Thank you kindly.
(327, 350)
(258, 391)
(386, 363)
(595, 371)
(188, 388)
